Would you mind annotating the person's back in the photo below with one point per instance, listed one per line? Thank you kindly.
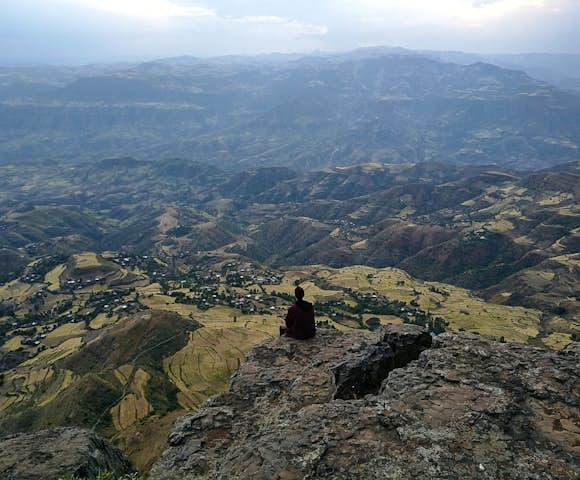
(300, 322)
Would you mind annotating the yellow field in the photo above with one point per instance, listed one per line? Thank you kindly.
(362, 245)
(523, 240)
(126, 276)
(557, 341)
(52, 355)
(19, 291)
(538, 278)
(461, 309)
(144, 441)
(65, 332)
(267, 325)
(500, 225)
(18, 386)
(560, 324)
(287, 283)
(219, 313)
(515, 324)
(87, 260)
(556, 199)
(204, 366)
(383, 281)
(53, 278)
(95, 288)
(311, 291)
(103, 320)
(157, 301)
(222, 316)
(571, 261)
(13, 344)
(134, 406)
(181, 308)
(66, 379)
(151, 289)
(338, 326)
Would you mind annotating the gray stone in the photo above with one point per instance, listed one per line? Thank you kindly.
(466, 407)
(52, 454)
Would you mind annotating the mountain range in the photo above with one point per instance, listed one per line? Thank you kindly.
(156, 218)
(382, 105)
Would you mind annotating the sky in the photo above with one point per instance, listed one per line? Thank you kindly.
(77, 31)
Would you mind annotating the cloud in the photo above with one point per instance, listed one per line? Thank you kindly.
(109, 29)
(480, 3)
(295, 26)
(446, 12)
(159, 9)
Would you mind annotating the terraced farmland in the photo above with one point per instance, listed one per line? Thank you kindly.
(203, 368)
(137, 354)
(458, 306)
(134, 406)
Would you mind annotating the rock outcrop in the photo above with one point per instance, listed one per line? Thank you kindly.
(358, 406)
(52, 454)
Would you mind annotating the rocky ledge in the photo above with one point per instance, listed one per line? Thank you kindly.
(53, 454)
(394, 404)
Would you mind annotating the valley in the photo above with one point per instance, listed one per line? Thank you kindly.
(125, 350)
(131, 290)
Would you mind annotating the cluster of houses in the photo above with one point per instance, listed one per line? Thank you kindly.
(239, 275)
(348, 230)
(79, 284)
(34, 340)
(212, 290)
(31, 278)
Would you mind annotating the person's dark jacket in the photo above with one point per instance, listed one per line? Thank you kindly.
(300, 320)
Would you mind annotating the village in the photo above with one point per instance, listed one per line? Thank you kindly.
(101, 291)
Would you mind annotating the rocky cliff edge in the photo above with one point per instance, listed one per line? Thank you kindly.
(53, 454)
(395, 404)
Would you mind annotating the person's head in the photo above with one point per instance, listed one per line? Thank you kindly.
(299, 293)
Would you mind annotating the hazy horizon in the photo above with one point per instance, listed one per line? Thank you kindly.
(109, 31)
(149, 58)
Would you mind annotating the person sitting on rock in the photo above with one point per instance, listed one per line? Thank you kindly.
(300, 318)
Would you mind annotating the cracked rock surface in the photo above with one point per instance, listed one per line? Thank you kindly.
(388, 405)
(52, 454)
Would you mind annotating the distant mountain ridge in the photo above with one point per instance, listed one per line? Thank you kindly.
(299, 112)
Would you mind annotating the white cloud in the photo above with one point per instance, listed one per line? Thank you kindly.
(168, 9)
(146, 8)
(296, 27)
(260, 19)
(473, 12)
(102, 29)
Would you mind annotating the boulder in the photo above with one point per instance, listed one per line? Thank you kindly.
(53, 454)
(387, 405)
